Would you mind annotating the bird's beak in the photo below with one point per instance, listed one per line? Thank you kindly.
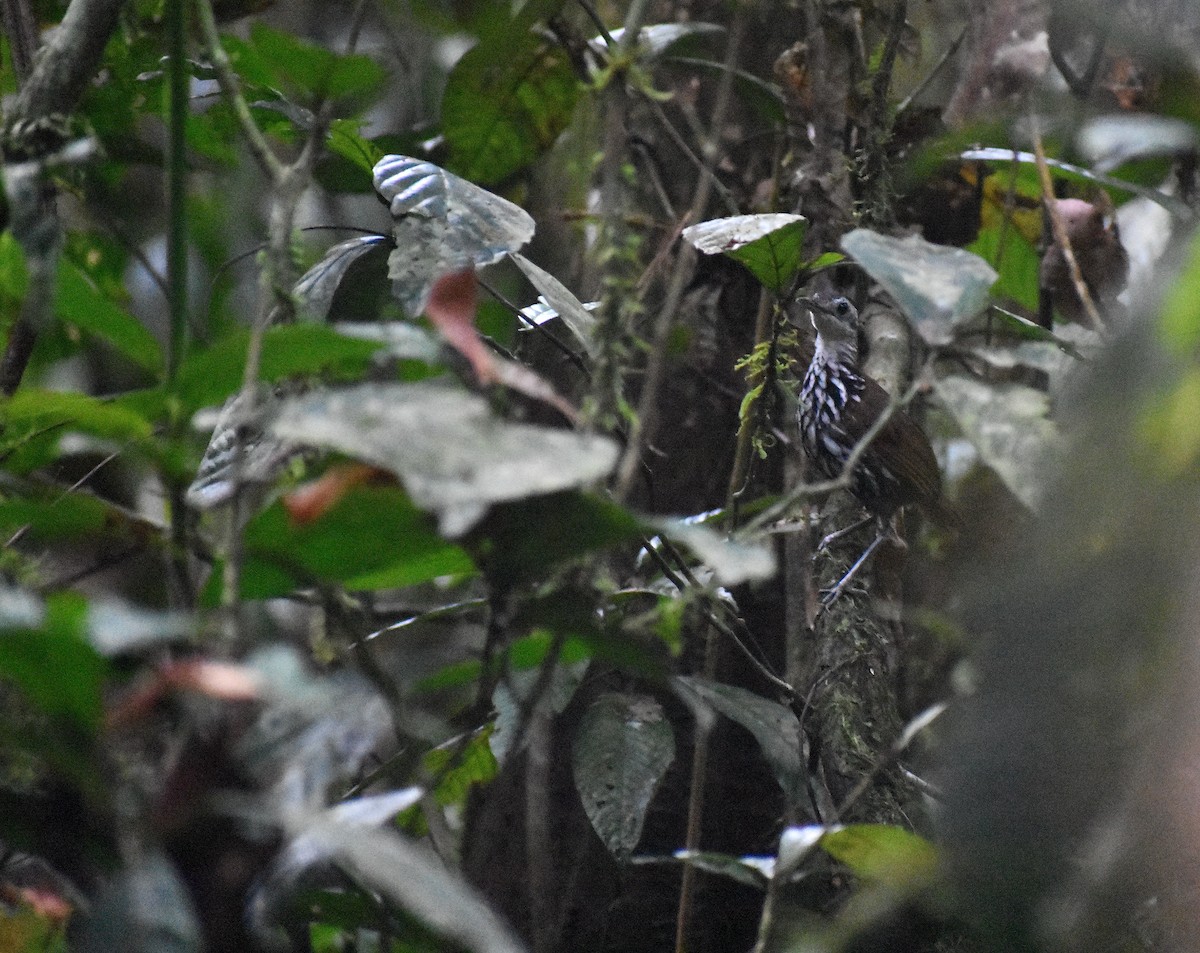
(812, 307)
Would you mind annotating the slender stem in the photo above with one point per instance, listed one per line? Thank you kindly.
(647, 418)
(227, 80)
(763, 329)
(1060, 230)
(177, 287)
(699, 778)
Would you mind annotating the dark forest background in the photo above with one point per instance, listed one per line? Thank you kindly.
(408, 542)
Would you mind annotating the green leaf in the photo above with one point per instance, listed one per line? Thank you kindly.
(71, 516)
(774, 727)
(769, 244)
(79, 302)
(30, 412)
(14, 274)
(347, 141)
(506, 103)
(373, 538)
(207, 378)
(1016, 261)
(883, 853)
(53, 664)
(300, 69)
(1180, 321)
(620, 756)
(525, 539)
(460, 769)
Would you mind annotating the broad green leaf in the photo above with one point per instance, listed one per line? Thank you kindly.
(373, 538)
(774, 727)
(209, 377)
(1076, 173)
(940, 288)
(302, 70)
(31, 412)
(443, 224)
(77, 301)
(504, 105)
(347, 141)
(883, 853)
(768, 244)
(1015, 260)
(14, 273)
(523, 540)
(53, 664)
(452, 453)
(622, 750)
(459, 769)
(70, 516)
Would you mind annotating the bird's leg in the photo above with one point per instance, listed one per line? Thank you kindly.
(839, 533)
(883, 532)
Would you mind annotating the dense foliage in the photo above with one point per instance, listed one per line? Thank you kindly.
(409, 545)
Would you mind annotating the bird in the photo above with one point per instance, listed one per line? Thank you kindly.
(1103, 264)
(838, 405)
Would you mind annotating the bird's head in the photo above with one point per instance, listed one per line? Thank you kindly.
(834, 317)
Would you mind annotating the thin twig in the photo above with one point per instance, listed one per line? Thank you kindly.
(889, 757)
(264, 155)
(1060, 229)
(907, 101)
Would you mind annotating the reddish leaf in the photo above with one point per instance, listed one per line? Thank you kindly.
(451, 308)
(308, 503)
(220, 680)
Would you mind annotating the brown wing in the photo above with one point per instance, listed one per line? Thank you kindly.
(903, 447)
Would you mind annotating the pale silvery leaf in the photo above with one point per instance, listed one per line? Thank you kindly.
(443, 224)
(452, 453)
(937, 286)
(1009, 426)
(657, 38)
(573, 312)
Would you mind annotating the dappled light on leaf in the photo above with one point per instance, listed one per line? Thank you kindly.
(769, 244)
